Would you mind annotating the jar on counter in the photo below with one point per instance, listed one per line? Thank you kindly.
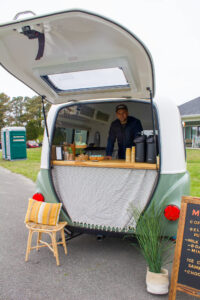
(65, 151)
(66, 155)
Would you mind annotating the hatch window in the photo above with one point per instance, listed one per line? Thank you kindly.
(91, 79)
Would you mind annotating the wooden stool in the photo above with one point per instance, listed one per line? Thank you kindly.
(50, 230)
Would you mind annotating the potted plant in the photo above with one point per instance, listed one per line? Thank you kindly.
(154, 246)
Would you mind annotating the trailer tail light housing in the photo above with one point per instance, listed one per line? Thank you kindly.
(38, 197)
(171, 212)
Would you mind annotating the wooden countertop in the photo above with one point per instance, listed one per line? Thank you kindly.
(105, 164)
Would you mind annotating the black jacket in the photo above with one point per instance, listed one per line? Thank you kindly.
(124, 135)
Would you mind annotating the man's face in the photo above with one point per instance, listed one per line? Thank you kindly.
(122, 115)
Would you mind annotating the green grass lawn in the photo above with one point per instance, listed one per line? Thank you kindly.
(193, 166)
(31, 166)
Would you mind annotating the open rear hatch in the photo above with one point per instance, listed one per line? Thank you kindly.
(76, 55)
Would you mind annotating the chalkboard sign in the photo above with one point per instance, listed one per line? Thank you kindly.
(186, 265)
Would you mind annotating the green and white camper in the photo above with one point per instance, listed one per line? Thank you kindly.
(84, 65)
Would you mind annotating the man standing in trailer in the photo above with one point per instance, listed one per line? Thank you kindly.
(125, 129)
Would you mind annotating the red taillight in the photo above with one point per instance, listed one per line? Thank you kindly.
(171, 212)
(38, 197)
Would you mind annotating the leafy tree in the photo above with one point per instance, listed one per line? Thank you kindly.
(33, 130)
(59, 136)
(34, 109)
(34, 113)
(23, 111)
(4, 107)
(17, 111)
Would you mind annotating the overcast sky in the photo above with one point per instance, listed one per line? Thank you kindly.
(169, 28)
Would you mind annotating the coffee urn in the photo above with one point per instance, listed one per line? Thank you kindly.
(151, 150)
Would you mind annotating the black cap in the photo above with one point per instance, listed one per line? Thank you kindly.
(121, 106)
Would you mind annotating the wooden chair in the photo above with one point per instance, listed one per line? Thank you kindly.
(51, 231)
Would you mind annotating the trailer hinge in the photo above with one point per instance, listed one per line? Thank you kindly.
(34, 34)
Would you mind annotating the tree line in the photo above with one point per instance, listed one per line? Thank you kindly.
(23, 111)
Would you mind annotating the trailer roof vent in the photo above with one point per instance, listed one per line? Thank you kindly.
(87, 111)
(101, 116)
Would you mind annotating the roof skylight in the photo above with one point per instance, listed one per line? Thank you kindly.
(90, 79)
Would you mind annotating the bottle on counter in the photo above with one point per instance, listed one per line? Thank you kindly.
(73, 148)
(71, 155)
(65, 152)
(66, 155)
(128, 154)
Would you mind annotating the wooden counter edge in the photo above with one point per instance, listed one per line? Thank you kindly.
(105, 164)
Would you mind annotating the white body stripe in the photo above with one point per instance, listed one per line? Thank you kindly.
(40, 213)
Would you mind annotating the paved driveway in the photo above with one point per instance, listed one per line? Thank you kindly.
(108, 270)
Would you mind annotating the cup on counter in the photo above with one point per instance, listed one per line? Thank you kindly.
(133, 154)
(128, 154)
(157, 161)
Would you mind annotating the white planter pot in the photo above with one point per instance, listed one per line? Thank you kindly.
(157, 283)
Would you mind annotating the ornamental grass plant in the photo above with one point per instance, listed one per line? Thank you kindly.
(155, 247)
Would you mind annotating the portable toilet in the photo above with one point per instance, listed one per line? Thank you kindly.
(13, 143)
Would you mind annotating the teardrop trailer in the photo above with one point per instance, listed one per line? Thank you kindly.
(85, 64)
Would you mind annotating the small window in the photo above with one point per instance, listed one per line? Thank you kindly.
(91, 79)
(80, 137)
(63, 135)
(188, 133)
(70, 136)
(198, 130)
(194, 131)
